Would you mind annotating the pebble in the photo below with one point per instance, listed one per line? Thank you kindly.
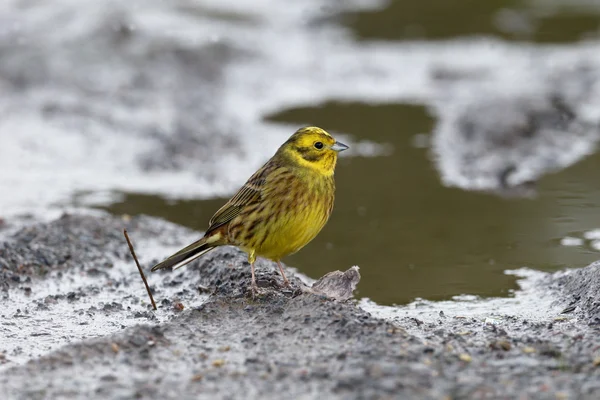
(528, 350)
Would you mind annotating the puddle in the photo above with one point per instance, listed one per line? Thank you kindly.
(541, 21)
(133, 128)
(525, 302)
(412, 237)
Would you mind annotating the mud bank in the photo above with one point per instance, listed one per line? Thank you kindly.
(76, 323)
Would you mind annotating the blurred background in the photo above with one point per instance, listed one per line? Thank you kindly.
(473, 124)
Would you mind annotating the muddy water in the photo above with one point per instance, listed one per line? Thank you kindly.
(411, 236)
(516, 20)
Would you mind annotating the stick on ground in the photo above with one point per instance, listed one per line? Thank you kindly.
(139, 268)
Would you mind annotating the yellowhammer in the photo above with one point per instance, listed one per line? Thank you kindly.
(281, 208)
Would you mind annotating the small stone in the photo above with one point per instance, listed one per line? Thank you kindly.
(108, 378)
(197, 378)
(218, 363)
(178, 306)
(338, 285)
(138, 340)
(465, 357)
(549, 351)
(597, 362)
(528, 350)
(114, 306)
(203, 289)
(224, 348)
(504, 345)
(115, 347)
(501, 345)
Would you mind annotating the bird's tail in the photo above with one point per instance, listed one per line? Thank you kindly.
(190, 253)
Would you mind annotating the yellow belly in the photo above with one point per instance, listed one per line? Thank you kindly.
(289, 234)
(285, 219)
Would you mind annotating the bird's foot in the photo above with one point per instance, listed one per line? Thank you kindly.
(286, 283)
(256, 291)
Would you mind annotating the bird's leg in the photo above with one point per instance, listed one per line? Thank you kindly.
(253, 285)
(285, 280)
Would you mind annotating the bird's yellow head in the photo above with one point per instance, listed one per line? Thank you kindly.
(313, 148)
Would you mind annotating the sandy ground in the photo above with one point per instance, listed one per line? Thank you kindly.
(76, 323)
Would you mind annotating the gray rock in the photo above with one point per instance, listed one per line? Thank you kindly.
(338, 285)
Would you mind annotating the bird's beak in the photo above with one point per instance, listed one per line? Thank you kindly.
(338, 146)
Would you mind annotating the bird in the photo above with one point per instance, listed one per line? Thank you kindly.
(281, 207)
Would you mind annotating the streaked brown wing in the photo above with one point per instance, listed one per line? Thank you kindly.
(249, 194)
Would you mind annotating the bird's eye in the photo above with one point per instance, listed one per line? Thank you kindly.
(319, 145)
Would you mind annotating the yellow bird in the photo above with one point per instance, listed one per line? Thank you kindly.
(281, 208)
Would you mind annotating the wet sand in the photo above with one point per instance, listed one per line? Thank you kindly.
(211, 339)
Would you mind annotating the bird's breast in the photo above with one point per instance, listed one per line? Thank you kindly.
(298, 213)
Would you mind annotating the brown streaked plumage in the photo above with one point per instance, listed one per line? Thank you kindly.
(281, 208)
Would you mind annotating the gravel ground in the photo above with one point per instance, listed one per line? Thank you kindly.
(77, 324)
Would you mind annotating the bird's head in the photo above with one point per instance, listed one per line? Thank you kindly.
(313, 148)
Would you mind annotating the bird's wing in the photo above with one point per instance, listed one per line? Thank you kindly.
(250, 193)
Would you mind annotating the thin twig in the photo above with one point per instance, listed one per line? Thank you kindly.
(139, 268)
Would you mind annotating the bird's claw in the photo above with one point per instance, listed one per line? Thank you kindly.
(255, 290)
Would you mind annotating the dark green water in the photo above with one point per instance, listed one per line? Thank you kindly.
(442, 19)
(411, 236)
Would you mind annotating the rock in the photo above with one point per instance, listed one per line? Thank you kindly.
(338, 285)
